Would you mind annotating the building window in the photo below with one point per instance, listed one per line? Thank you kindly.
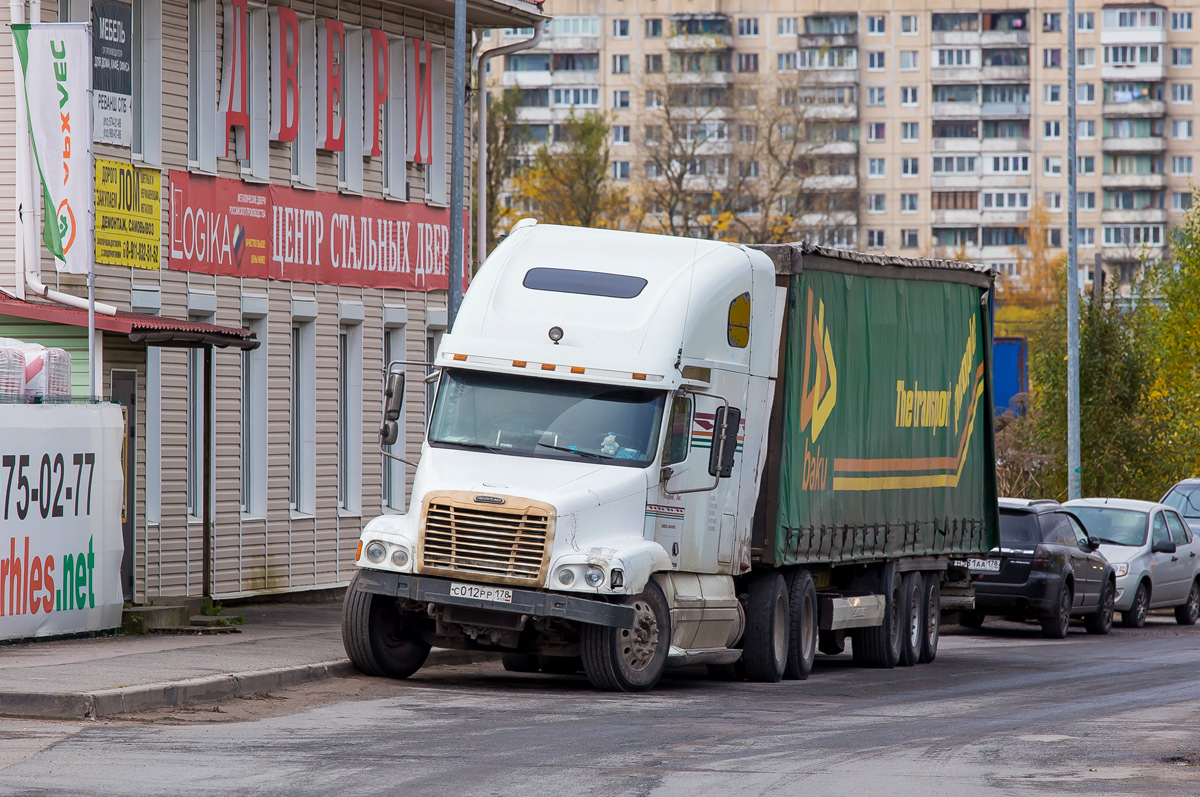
(1086, 128)
(253, 422)
(876, 96)
(1052, 94)
(1181, 20)
(876, 203)
(876, 25)
(349, 417)
(620, 64)
(748, 26)
(302, 448)
(876, 131)
(785, 26)
(748, 169)
(1181, 165)
(908, 239)
(1087, 236)
(1085, 93)
(1052, 129)
(747, 62)
(910, 167)
(654, 29)
(1085, 21)
(621, 134)
(1054, 238)
(1051, 23)
(1052, 166)
(620, 170)
(908, 24)
(954, 164)
(909, 97)
(910, 131)
(786, 62)
(953, 58)
(620, 28)
(1181, 129)
(1181, 93)
(909, 203)
(1085, 57)
(1006, 200)
(195, 432)
(1181, 200)
(1052, 58)
(876, 239)
(909, 60)
(1181, 56)
(621, 99)
(654, 63)
(1085, 200)
(393, 472)
(876, 167)
(202, 85)
(1053, 201)
(654, 99)
(876, 61)
(747, 134)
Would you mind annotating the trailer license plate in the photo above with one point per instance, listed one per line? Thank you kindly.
(482, 593)
(985, 565)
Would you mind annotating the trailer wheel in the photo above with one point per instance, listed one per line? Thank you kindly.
(879, 646)
(519, 662)
(802, 631)
(380, 638)
(765, 645)
(931, 600)
(630, 659)
(912, 614)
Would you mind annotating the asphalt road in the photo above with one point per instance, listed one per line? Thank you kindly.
(1001, 711)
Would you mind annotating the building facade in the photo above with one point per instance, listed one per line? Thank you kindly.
(299, 156)
(925, 128)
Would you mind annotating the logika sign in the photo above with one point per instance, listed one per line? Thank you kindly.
(61, 490)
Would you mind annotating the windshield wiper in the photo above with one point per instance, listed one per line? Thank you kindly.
(480, 446)
(588, 454)
(1111, 542)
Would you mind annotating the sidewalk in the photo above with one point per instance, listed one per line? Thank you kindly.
(279, 646)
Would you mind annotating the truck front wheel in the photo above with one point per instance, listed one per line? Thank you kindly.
(380, 639)
(630, 659)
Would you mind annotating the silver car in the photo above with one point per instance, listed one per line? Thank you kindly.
(1155, 554)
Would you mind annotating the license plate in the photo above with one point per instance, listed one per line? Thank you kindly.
(985, 565)
(480, 592)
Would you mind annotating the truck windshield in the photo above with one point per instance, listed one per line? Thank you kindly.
(1113, 526)
(548, 418)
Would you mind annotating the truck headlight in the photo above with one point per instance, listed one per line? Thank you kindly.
(594, 576)
(566, 576)
(400, 557)
(376, 552)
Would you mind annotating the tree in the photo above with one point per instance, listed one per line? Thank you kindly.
(568, 181)
(506, 139)
(1034, 289)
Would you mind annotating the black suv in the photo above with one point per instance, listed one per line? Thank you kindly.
(1046, 568)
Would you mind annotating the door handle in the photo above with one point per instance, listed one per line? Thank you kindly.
(1174, 558)
(1192, 554)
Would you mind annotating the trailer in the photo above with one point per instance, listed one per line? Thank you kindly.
(647, 451)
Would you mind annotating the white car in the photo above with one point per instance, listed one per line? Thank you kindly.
(1155, 554)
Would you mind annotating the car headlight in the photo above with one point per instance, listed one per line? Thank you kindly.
(376, 552)
(594, 576)
(1121, 569)
(400, 557)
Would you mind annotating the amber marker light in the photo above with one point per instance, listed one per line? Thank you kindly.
(641, 377)
(358, 551)
(548, 367)
(575, 369)
(460, 357)
(518, 363)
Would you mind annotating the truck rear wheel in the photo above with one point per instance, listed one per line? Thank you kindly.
(765, 645)
(630, 659)
(802, 633)
(879, 646)
(932, 602)
(380, 638)
(912, 614)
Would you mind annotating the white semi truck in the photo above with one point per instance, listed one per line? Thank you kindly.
(647, 451)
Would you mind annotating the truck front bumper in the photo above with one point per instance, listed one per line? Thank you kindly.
(427, 589)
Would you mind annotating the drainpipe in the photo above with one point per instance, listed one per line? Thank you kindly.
(28, 211)
(481, 135)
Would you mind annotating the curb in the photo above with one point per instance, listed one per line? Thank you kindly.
(109, 702)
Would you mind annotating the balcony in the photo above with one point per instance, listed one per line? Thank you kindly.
(1146, 181)
(1136, 108)
(1005, 217)
(1133, 254)
(829, 182)
(1143, 144)
(826, 40)
(1004, 38)
(955, 74)
(1145, 216)
(955, 145)
(536, 115)
(711, 78)
(1007, 181)
(843, 113)
(527, 80)
(699, 42)
(1120, 36)
(954, 218)
(572, 44)
(834, 148)
(956, 110)
(1005, 145)
(993, 253)
(1004, 74)
(955, 37)
(1134, 73)
(964, 181)
(575, 77)
(832, 218)
(1004, 110)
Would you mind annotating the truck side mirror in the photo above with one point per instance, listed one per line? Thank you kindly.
(727, 425)
(389, 433)
(393, 394)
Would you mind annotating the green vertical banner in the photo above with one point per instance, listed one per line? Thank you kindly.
(887, 431)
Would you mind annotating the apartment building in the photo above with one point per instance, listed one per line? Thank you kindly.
(927, 128)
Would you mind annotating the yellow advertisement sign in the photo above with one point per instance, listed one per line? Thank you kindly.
(128, 215)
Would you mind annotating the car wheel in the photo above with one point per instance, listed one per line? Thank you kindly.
(1136, 616)
(1055, 626)
(1102, 620)
(1189, 611)
(971, 619)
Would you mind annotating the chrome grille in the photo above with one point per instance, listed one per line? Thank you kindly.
(493, 543)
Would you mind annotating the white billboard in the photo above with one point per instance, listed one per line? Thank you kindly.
(61, 495)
